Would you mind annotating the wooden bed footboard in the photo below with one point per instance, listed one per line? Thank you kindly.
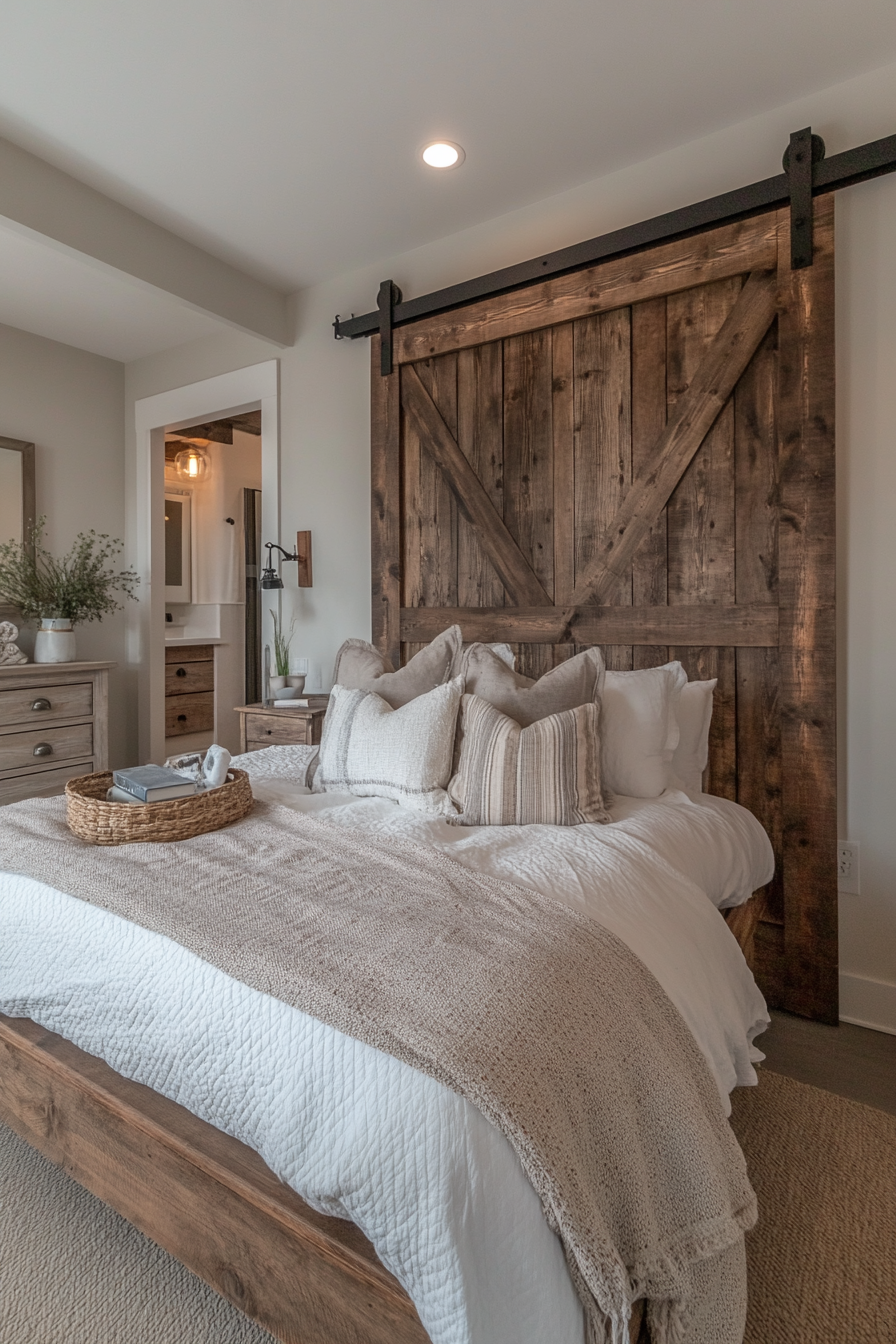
(205, 1197)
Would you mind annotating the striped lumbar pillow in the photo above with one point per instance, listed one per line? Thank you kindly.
(548, 773)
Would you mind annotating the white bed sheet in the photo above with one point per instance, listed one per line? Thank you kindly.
(437, 1189)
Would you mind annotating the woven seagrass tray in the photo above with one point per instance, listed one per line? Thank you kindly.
(101, 823)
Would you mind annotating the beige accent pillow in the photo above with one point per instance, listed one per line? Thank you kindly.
(371, 750)
(639, 729)
(361, 667)
(579, 681)
(545, 774)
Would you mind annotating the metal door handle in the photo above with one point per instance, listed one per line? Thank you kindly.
(43, 749)
(181, 672)
(41, 704)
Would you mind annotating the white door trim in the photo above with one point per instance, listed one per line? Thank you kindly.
(227, 394)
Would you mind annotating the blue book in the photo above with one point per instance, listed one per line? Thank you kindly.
(153, 783)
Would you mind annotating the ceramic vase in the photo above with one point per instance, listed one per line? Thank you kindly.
(55, 641)
(277, 683)
(297, 683)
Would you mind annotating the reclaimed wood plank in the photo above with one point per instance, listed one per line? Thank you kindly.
(806, 560)
(387, 591)
(438, 520)
(603, 447)
(563, 432)
(649, 586)
(528, 466)
(733, 249)
(700, 626)
(516, 573)
(480, 437)
(692, 418)
(700, 511)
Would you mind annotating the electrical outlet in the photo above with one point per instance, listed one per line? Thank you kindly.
(848, 867)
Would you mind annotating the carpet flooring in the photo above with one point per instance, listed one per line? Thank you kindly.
(822, 1260)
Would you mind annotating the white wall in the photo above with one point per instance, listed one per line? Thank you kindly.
(71, 405)
(325, 423)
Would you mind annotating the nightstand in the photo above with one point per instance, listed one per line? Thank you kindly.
(52, 726)
(265, 726)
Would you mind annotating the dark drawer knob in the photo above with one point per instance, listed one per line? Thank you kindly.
(43, 749)
(38, 705)
(181, 672)
(181, 718)
(269, 731)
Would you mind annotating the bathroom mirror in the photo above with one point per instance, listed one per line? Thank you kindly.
(17, 509)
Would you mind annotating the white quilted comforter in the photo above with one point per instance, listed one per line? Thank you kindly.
(359, 1135)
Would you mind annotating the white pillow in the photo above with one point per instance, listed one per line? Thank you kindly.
(694, 718)
(369, 749)
(639, 729)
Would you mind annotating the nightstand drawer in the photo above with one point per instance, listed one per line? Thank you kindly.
(266, 730)
(41, 783)
(187, 677)
(42, 704)
(189, 713)
(43, 746)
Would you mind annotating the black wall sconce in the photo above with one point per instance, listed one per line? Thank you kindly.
(300, 556)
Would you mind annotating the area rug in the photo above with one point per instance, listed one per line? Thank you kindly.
(822, 1260)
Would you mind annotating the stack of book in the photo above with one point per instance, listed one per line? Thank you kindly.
(149, 784)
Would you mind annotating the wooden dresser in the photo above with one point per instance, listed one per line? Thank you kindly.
(189, 689)
(53, 726)
(265, 726)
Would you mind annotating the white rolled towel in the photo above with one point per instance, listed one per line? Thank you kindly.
(215, 767)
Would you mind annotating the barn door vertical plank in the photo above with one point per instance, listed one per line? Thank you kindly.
(603, 443)
(648, 422)
(411, 520)
(756, 581)
(480, 436)
(806, 604)
(563, 412)
(385, 500)
(529, 467)
(700, 513)
(438, 527)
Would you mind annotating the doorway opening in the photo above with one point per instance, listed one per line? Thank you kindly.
(212, 505)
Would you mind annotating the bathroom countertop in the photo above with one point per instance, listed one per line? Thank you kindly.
(176, 641)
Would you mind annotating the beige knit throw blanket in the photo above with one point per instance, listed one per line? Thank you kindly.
(538, 1016)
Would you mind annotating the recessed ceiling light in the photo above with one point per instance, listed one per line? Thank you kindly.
(443, 154)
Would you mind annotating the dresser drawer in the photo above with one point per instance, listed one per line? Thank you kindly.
(41, 783)
(266, 730)
(43, 746)
(43, 704)
(184, 678)
(190, 653)
(189, 713)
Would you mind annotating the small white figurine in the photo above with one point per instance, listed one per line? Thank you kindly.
(10, 653)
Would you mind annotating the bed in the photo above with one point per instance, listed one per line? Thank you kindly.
(752, 606)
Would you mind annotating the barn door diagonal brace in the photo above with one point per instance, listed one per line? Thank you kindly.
(389, 295)
(804, 150)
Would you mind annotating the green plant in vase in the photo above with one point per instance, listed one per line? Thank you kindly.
(63, 593)
(282, 642)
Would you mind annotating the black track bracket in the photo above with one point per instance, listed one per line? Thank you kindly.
(386, 300)
(804, 150)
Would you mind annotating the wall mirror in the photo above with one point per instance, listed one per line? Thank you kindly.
(17, 505)
(16, 489)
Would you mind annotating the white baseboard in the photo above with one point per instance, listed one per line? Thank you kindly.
(868, 1003)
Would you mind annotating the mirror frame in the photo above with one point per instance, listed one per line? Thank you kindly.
(29, 502)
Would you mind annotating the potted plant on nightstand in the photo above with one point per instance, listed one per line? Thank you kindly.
(282, 642)
(61, 594)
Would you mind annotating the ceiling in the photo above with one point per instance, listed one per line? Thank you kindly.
(283, 135)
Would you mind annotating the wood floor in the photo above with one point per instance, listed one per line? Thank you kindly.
(851, 1061)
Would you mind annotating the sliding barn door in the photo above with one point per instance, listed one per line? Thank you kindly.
(640, 456)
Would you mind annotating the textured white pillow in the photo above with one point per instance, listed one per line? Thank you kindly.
(694, 719)
(639, 729)
(369, 749)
